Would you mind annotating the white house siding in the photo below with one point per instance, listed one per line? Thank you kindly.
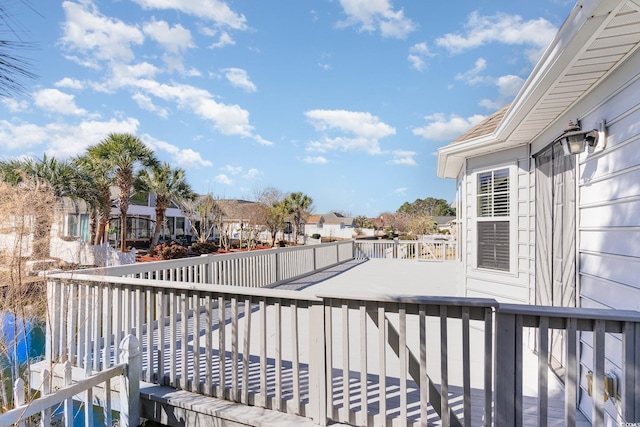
(513, 286)
(608, 217)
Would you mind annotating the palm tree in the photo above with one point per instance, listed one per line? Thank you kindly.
(61, 178)
(169, 185)
(97, 172)
(298, 204)
(123, 153)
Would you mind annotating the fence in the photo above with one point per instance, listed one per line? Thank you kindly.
(345, 358)
(255, 269)
(419, 250)
(49, 404)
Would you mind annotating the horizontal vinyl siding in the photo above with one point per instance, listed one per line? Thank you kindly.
(508, 287)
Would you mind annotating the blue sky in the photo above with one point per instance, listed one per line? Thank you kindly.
(344, 100)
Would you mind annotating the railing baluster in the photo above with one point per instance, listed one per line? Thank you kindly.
(195, 384)
(151, 324)
(328, 327)
(173, 338)
(107, 319)
(208, 345)
(444, 367)
(161, 313)
(295, 350)
(402, 314)
(364, 390)
(543, 370)
(382, 355)
(598, 373)
(222, 359)
(424, 383)
(263, 353)
(571, 374)
(246, 356)
(234, 348)
(488, 367)
(184, 340)
(345, 362)
(466, 368)
(278, 345)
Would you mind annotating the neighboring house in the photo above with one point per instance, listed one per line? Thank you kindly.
(541, 226)
(444, 222)
(331, 225)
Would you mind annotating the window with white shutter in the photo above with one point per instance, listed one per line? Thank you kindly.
(493, 220)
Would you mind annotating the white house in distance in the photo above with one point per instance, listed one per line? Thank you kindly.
(543, 226)
(331, 225)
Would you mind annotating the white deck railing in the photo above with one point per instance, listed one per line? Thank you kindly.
(413, 359)
(58, 405)
(255, 269)
(419, 250)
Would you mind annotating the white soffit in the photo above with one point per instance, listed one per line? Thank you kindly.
(619, 38)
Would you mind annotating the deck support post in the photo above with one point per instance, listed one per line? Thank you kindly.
(130, 382)
(317, 365)
(508, 343)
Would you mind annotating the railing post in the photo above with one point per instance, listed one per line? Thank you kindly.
(130, 382)
(18, 397)
(506, 370)
(68, 403)
(630, 370)
(317, 365)
(45, 414)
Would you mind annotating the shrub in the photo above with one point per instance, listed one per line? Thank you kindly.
(315, 236)
(169, 251)
(204, 248)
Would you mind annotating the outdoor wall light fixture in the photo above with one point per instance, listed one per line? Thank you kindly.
(574, 140)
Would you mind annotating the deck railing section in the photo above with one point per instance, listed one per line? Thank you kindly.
(604, 337)
(55, 404)
(256, 269)
(418, 250)
(321, 356)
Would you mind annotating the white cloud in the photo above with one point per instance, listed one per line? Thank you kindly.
(501, 28)
(14, 105)
(401, 191)
(69, 83)
(402, 157)
(97, 36)
(174, 39)
(443, 128)
(473, 76)
(365, 130)
(418, 53)
(251, 173)
(227, 119)
(55, 101)
(147, 104)
(185, 157)
(508, 87)
(317, 160)
(225, 39)
(61, 140)
(233, 170)
(239, 78)
(376, 15)
(188, 158)
(216, 11)
(223, 179)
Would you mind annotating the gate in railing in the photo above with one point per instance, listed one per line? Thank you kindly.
(432, 249)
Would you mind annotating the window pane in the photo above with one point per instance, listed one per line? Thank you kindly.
(493, 193)
(493, 245)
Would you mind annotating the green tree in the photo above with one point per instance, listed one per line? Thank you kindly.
(428, 207)
(124, 154)
(275, 211)
(169, 185)
(97, 173)
(298, 206)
